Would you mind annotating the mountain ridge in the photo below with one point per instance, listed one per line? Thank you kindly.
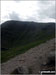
(19, 32)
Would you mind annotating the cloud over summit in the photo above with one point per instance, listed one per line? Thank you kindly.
(39, 11)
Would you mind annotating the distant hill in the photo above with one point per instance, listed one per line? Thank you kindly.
(16, 33)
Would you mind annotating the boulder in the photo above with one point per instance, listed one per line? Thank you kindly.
(21, 70)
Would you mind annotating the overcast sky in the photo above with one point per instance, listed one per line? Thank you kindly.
(37, 11)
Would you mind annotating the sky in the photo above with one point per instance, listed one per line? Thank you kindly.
(29, 10)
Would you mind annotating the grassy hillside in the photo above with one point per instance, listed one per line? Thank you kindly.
(17, 37)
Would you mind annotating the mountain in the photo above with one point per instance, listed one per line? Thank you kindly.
(17, 33)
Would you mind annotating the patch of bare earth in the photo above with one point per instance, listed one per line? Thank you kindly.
(34, 59)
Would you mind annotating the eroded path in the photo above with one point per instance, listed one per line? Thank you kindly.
(33, 58)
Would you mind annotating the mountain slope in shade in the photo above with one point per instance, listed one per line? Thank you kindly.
(17, 33)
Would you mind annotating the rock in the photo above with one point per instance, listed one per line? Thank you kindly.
(21, 70)
(51, 58)
(44, 63)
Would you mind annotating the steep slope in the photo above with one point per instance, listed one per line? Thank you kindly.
(16, 33)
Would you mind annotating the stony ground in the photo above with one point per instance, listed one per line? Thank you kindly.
(33, 58)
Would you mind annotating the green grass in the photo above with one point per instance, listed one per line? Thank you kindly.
(8, 54)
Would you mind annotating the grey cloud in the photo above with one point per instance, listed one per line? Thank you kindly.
(47, 9)
(17, 1)
(51, 11)
(32, 19)
(14, 16)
